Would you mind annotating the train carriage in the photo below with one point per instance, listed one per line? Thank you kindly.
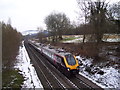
(64, 61)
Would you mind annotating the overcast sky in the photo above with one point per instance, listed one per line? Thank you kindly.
(30, 14)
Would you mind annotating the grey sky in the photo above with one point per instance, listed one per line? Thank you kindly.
(30, 14)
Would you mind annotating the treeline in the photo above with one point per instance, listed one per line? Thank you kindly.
(57, 25)
(11, 40)
(100, 18)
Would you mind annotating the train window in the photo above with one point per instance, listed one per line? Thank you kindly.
(60, 60)
(70, 59)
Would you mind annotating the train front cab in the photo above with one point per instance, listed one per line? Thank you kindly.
(71, 64)
(67, 64)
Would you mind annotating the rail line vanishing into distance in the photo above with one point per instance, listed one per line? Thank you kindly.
(51, 77)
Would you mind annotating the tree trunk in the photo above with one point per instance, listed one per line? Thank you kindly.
(84, 38)
(53, 38)
(99, 38)
(60, 37)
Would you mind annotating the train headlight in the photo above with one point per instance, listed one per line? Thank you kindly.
(68, 69)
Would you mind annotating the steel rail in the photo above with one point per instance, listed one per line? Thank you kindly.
(89, 83)
(59, 83)
(77, 82)
(66, 79)
(48, 83)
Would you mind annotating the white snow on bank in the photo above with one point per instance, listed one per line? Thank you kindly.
(110, 78)
(113, 40)
(27, 70)
(92, 80)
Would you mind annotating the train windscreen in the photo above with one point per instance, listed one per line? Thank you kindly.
(70, 59)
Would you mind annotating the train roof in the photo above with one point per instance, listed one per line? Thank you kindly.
(59, 51)
(52, 49)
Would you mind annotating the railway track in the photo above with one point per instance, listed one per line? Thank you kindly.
(51, 78)
(88, 83)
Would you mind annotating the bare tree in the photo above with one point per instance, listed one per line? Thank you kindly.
(114, 15)
(51, 26)
(40, 35)
(83, 5)
(99, 19)
(57, 23)
(10, 44)
(95, 14)
(114, 11)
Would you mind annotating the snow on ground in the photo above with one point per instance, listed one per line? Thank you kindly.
(110, 78)
(79, 40)
(111, 75)
(115, 38)
(105, 76)
(27, 70)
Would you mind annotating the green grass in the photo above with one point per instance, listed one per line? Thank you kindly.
(70, 38)
(12, 79)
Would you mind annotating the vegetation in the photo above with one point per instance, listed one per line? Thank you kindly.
(100, 18)
(69, 38)
(57, 24)
(114, 14)
(12, 79)
(10, 45)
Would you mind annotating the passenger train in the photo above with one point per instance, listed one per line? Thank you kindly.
(64, 61)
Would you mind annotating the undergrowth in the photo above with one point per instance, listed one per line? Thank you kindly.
(12, 79)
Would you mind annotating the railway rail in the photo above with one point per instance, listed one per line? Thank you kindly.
(49, 76)
(52, 78)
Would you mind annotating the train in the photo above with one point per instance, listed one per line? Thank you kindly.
(64, 61)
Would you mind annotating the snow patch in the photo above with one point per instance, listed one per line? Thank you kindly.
(110, 78)
(27, 70)
(79, 40)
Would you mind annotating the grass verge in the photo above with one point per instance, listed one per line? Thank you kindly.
(70, 38)
(12, 79)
